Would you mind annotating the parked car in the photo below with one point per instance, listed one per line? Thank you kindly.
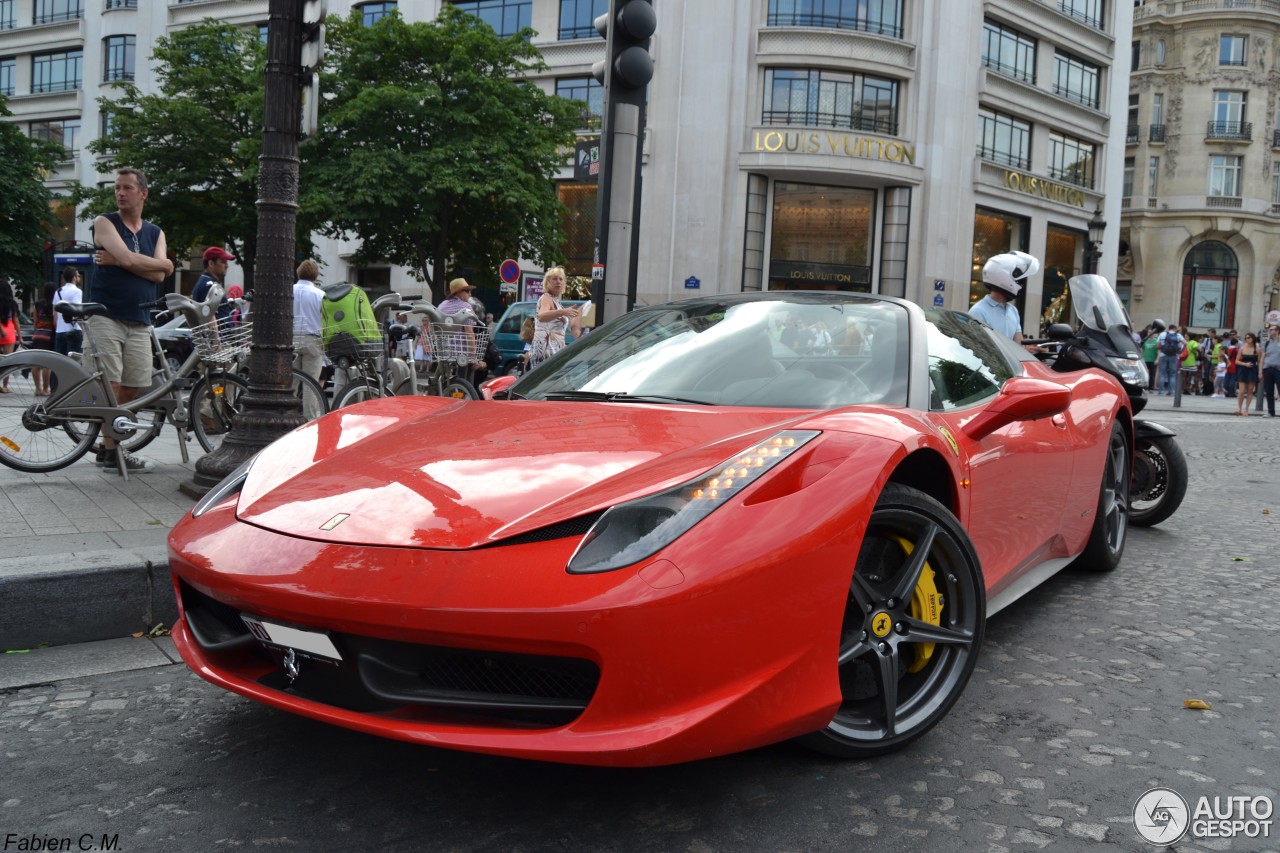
(507, 336)
(710, 525)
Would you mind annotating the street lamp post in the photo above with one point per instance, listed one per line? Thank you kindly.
(1097, 228)
(270, 408)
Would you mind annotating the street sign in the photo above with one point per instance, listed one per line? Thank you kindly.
(939, 300)
(509, 271)
(597, 272)
(692, 283)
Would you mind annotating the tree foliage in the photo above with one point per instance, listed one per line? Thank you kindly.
(431, 150)
(198, 140)
(26, 210)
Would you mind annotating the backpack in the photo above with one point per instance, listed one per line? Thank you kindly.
(1172, 344)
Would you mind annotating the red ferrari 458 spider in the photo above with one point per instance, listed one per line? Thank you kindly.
(707, 526)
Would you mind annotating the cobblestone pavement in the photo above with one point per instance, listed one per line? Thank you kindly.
(1076, 709)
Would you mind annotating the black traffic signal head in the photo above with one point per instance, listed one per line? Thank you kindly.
(627, 68)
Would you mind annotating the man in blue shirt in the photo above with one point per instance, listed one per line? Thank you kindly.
(215, 272)
(131, 258)
(1002, 275)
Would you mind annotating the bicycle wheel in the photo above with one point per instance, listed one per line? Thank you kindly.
(459, 389)
(214, 402)
(308, 389)
(357, 391)
(31, 439)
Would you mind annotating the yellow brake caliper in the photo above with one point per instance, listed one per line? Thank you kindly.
(926, 606)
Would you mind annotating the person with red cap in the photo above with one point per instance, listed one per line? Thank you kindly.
(215, 272)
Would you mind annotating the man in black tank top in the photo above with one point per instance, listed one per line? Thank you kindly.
(132, 258)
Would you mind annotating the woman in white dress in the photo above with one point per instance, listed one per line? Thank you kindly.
(552, 319)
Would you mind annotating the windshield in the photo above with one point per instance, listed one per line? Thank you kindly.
(790, 350)
(1096, 303)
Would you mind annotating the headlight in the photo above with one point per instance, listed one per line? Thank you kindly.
(230, 485)
(1132, 371)
(630, 532)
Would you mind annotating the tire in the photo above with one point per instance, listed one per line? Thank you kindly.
(356, 391)
(904, 660)
(309, 390)
(31, 440)
(1111, 520)
(213, 404)
(1159, 480)
(459, 389)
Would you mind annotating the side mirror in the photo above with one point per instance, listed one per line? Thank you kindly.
(1021, 399)
(1059, 332)
(496, 388)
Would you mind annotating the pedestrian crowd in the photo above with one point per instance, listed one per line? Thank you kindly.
(1224, 366)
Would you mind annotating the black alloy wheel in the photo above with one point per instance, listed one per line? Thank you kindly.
(913, 625)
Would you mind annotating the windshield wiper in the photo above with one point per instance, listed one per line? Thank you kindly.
(620, 397)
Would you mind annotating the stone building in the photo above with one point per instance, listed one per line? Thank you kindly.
(1200, 239)
(887, 146)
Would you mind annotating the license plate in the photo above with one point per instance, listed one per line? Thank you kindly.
(311, 642)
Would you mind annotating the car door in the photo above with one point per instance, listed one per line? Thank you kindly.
(1017, 475)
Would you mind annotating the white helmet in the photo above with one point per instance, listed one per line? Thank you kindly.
(1004, 271)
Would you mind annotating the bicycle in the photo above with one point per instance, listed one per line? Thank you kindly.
(452, 346)
(42, 434)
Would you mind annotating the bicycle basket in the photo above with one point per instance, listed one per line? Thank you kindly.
(221, 340)
(458, 343)
(346, 345)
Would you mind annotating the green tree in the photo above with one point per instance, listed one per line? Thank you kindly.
(431, 150)
(26, 212)
(197, 141)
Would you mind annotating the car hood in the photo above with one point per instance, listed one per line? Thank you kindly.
(434, 473)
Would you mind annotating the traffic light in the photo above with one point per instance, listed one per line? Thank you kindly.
(312, 35)
(627, 67)
(312, 52)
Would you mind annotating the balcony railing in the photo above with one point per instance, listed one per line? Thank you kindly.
(1240, 130)
(1131, 134)
(1026, 75)
(835, 22)
(117, 75)
(844, 121)
(1223, 201)
(1004, 158)
(122, 4)
(1088, 99)
(54, 17)
(1091, 20)
(1156, 133)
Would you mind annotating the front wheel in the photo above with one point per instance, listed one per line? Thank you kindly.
(311, 393)
(459, 389)
(1159, 480)
(32, 439)
(357, 391)
(214, 402)
(913, 623)
(1111, 519)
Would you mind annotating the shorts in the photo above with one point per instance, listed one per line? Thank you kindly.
(124, 351)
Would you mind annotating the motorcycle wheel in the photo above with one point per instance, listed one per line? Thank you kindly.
(1159, 480)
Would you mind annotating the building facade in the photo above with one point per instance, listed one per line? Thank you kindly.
(883, 146)
(1201, 187)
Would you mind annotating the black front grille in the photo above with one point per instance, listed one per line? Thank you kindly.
(564, 530)
(385, 676)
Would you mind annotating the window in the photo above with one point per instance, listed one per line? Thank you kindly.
(1129, 166)
(830, 99)
(107, 124)
(1075, 79)
(371, 13)
(49, 11)
(1275, 183)
(8, 73)
(1160, 51)
(577, 18)
(117, 58)
(65, 132)
(1131, 129)
(579, 224)
(966, 365)
(1088, 11)
(1135, 55)
(1224, 175)
(590, 92)
(56, 72)
(1009, 52)
(122, 4)
(873, 16)
(1153, 176)
(262, 33)
(507, 17)
(1231, 50)
(1157, 108)
(7, 19)
(1004, 139)
(1228, 106)
(1070, 159)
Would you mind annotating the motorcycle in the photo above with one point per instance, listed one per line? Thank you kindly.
(1104, 340)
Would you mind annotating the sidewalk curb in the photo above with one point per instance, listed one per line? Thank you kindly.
(90, 596)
